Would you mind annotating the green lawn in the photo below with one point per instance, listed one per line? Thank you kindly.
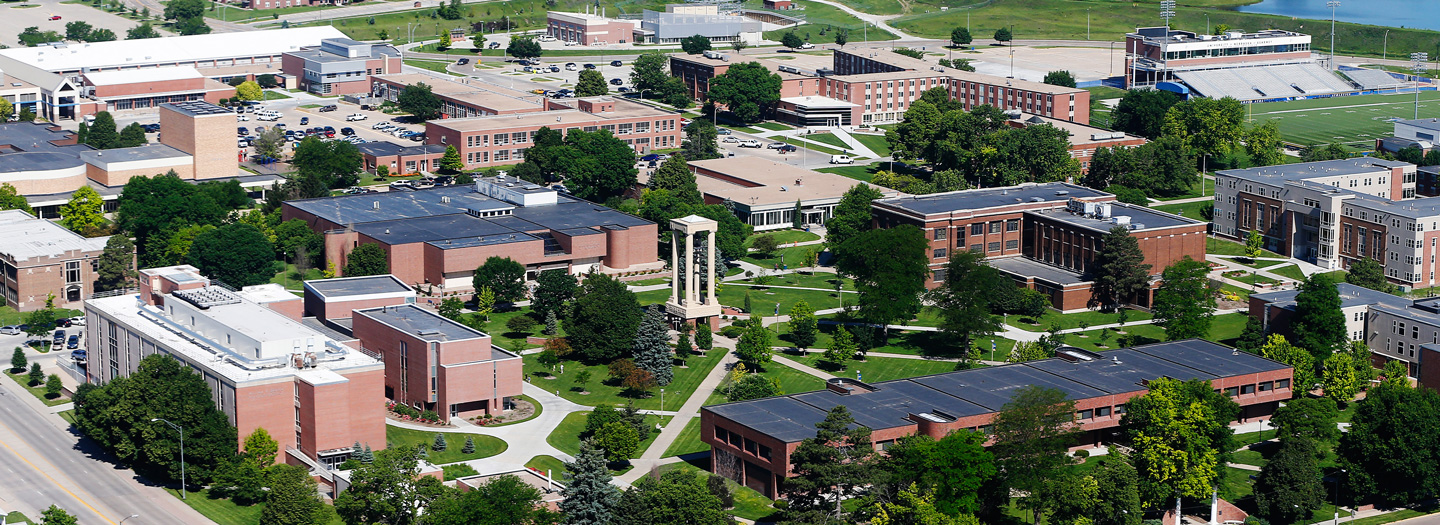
(37, 391)
(792, 381)
(566, 436)
(544, 463)
(828, 138)
(68, 415)
(689, 440)
(1104, 92)
(225, 512)
(1224, 329)
(749, 504)
(1189, 209)
(217, 11)
(820, 17)
(485, 446)
(793, 256)
(1356, 121)
(291, 278)
(1222, 247)
(503, 337)
(437, 66)
(764, 300)
(16, 517)
(876, 143)
(523, 13)
(8, 315)
(864, 173)
(1068, 321)
(822, 280)
(773, 126)
(810, 146)
(876, 369)
(608, 391)
(1253, 279)
(784, 236)
(1294, 272)
(907, 342)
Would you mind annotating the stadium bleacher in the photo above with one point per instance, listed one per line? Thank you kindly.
(1373, 78)
(1268, 82)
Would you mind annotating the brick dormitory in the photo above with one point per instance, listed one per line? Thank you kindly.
(751, 441)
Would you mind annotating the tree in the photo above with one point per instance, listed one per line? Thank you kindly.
(1184, 304)
(36, 376)
(1031, 435)
(295, 240)
(1119, 501)
(196, 26)
(804, 327)
(367, 259)
(451, 162)
(676, 496)
(1142, 112)
(967, 295)
(142, 31)
(1061, 78)
(1291, 485)
(650, 71)
(10, 199)
(597, 165)
(524, 48)
(1119, 270)
(960, 36)
(419, 101)
(325, 164)
(1278, 349)
(118, 416)
(502, 275)
(764, 244)
(77, 31)
(1307, 418)
(956, 468)
(388, 490)
(749, 89)
(1339, 378)
(184, 9)
(236, 254)
(85, 211)
(590, 84)
(1003, 35)
(604, 315)
(293, 498)
(754, 347)
(1254, 244)
(1211, 126)
(1388, 446)
(101, 35)
(503, 500)
(835, 463)
(133, 135)
(700, 141)
(915, 506)
(7, 112)
(32, 36)
(704, 339)
(674, 176)
(651, 347)
(890, 268)
(1262, 143)
(753, 386)
(56, 516)
(1181, 438)
(271, 143)
(1319, 325)
(694, 45)
(103, 134)
(590, 499)
(1028, 351)
(1369, 274)
(618, 440)
(842, 37)
(18, 362)
(553, 290)
(675, 93)
(1395, 373)
(115, 268)
(249, 90)
(791, 40)
(444, 41)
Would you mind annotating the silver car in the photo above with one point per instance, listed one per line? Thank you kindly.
(10, 330)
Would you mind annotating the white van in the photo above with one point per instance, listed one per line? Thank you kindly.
(841, 159)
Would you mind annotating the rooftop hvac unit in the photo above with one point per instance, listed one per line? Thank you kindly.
(1120, 220)
(1102, 210)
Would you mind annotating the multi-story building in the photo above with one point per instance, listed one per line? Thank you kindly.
(1332, 213)
(460, 98)
(588, 28)
(149, 88)
(1044, 236)
(41, 258)
(751, 442)
(501, 140)
(340, 66)
(695, 71)
(763, 192)
(398, 158)
(680, 21)
(1154, 54)
(266, 369)
(433, 363)
(440, 236)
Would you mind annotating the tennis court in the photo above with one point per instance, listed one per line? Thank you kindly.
(1355, 121)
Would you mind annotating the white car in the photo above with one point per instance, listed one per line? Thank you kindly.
(402, 184)
(10, 330)
(841, 159)
(77, 321)
(242, 118)
(750, 143)
(546, 38)
(399, 132)
(268, 118)
(354, 117)
(380, 125)
(807, 45)
(730, 139)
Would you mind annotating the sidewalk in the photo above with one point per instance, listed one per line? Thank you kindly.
(691, 409)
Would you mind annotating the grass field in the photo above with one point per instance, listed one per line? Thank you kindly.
(823, 17)
(1189, 209)
(16, 517)
(874, 369)
(828, 138)
(604, 390)
(784, 236)
(485, 446)
(38, 391)
(566, 435)
(876, 143)
(226, 512)
(1068, 321)
(792, 381)
(545, 463)
(1353, 121)
(689, 440)
(1222, 247)
(860, 173)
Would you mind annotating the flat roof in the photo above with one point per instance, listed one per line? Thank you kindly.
(152, 151)
(819, 102)
(1350, 296)
(387, 149)
(424, 324)
(792, 418)
(760, 181)
(471, 91)
(24, 237)
(553, 119)
(352, 286)
(964, 200)
(133, 53)
(197, 108)
(1308, 170)
(433, 228)
(38, 161)
(1027, 267)
(1141, 218)
(1424, 123)
(140, 76)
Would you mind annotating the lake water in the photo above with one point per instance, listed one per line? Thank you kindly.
(1423, 14)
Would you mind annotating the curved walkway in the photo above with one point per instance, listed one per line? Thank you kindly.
(523, 440)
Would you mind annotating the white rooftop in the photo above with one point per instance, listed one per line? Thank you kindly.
(131, 53)
(137, 76)
(24, 237)
(819, 102)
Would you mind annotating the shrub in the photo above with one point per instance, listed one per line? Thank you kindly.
(732, 331)
(456, 471)
(721, 490)
(520, 323)
(1082, 454)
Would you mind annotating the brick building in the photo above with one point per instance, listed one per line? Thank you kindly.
(40, 258)
(149, 88)
(439, 236)
(316, 396)
(1042, 235)
(751, 442)
(764, 192)
(588, 28)
(460, 98)
(1332, 213)
(340, 66)
(401, 159)
(433, 363)
(1156, 54)
(501, 140)
(334, 300)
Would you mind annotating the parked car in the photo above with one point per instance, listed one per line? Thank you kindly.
(730, 139)
(722, 131)
(546, 38)
(73, 342)
(616, 81)
(304, 120)
(616, 63)
(381, 125)
(78, 356)
(624, 89)
(775, 145)
(59, 338)
(151, 128)
(494, 45)
(10, 330)
(571, 66)
(54, 18)
(444, 180)
(462, 61)
(788, 148)
(749, 143)
(242, 118)
(417, 137)
(330, 107)
(78, 321)
(355, 117)
(242, 131)
(807, 45)
(402, 185)
(841, 159)
(347, 131)
(589, 66)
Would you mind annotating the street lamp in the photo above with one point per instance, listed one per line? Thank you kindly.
(1385, 46)
(181, 430)
(1418, 66)
(1332, 4)
(662, 400)
(1337, 496)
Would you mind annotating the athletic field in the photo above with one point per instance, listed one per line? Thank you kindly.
(1354, 121)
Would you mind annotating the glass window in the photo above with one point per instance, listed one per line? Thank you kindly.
(1247, 389)
(1283, 383)
(939, 253)
(995, 227)
(993, 247)
(1012, 225)
(1266, 386)
(940, 234)
(1085, 414)
(1102, 412)
(1232, 391)
(977, 228)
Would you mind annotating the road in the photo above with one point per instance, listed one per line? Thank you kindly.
(45, 463)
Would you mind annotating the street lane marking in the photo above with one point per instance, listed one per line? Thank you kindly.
(47, 476)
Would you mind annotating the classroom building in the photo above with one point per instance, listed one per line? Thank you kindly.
(763, 192)
(501, 140)
(41, 258)
(340, 66)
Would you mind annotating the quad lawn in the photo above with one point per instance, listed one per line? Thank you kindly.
(823, 281)
(1068, 321)
(876, 369)
(828, 138)
(792, 381)
(764, 300)
(1294, 272)
(688, 442)
(876, 143)
(862, 173)
(1222, 247)
(907, 342)
(485, 446)
(1224, 329)
(783, 237)
(1189, 210)
(566, 436)
(224, 511)
(550, 464)
(292, 279)
(9, 316)
(793, 256)
(1253, 279)
(603, 390)
(503, 337)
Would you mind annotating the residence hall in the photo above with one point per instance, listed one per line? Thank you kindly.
(340, 66)
(1332, 213)
(439, 236)
(751, 441)
(763, 192)
(501, 140)
(877, 86)
(265, 368)
(40, 258)
(1043, 235)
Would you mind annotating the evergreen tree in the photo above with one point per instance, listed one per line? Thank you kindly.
(797, 219)
(103, 134)
(1119, 269)
(835, 463)
(1253, 336)
(1319, 325)
(18, 363)
(440, 442)
(683, 348)
(703, 337)
(1290, 486)
(451, 161)
(469, 447)
(551, 325)
(369, 456)
(590, 499)
(651, 348)
(133, 135)
(36, 376)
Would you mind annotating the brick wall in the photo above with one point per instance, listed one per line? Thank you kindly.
(185, 170)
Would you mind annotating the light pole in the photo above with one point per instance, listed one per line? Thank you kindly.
(1332, 4)
(662, 400)
(1418, 66)
(181, 430)
(1087, 24)
(1385, 46)
(1337, 496)
(1207, 23)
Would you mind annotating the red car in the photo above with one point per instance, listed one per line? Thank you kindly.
(56, 17)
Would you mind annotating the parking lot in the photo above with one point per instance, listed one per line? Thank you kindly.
(15, 17)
